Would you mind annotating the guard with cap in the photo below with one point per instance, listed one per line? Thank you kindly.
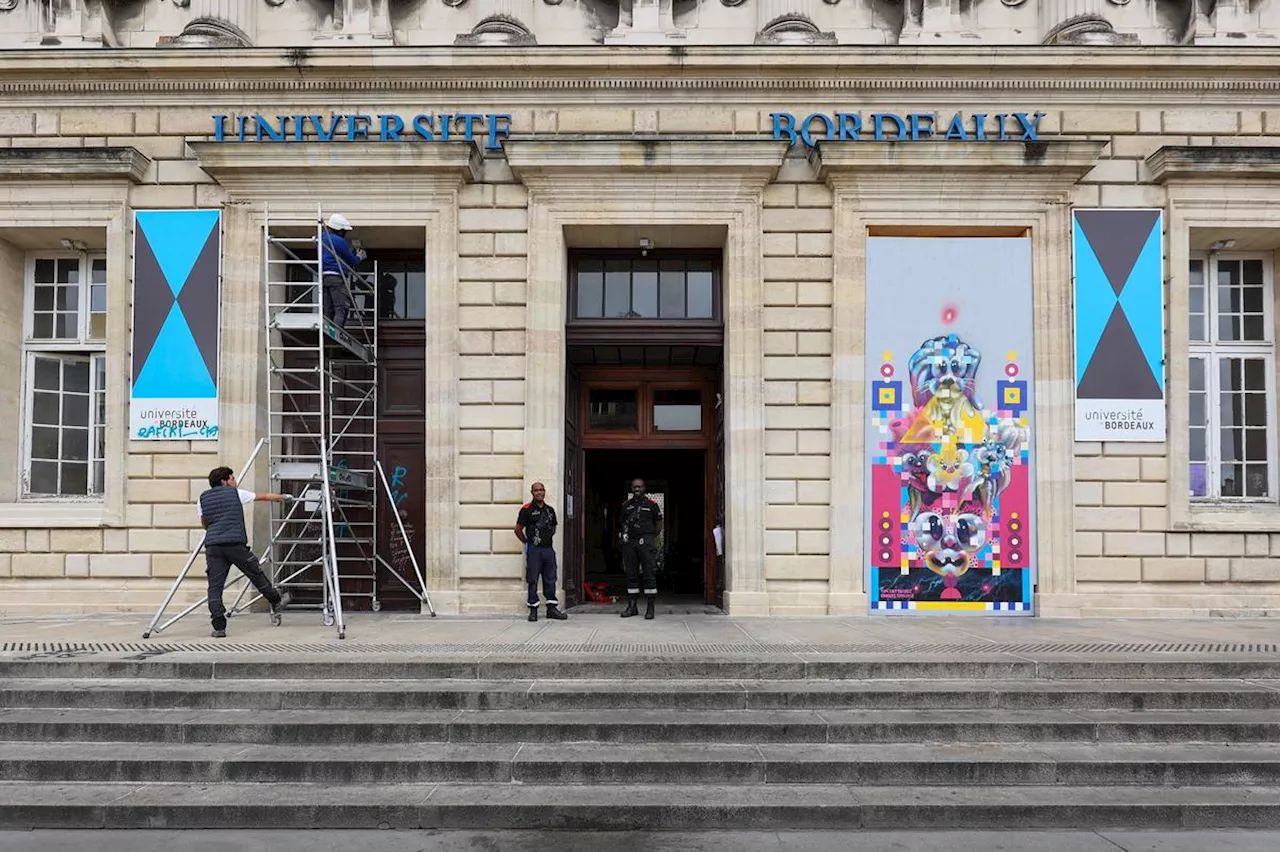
(535, 527)
(641, 520)
(337, 260)
(226, 543)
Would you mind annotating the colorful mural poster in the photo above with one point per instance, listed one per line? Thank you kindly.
(950, 435)
(1119, 298)
(176, 281)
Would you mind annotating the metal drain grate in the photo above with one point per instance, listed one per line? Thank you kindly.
(149, 649)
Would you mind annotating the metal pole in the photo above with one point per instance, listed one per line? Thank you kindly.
(382, 475)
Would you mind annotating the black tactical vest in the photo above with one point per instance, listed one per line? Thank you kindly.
(224, 513)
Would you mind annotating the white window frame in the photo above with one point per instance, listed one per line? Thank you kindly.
(1212, 351)
(80, 347)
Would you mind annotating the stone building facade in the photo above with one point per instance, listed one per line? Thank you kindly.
(658, 121)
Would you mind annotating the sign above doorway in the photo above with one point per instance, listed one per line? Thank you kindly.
(910, 127)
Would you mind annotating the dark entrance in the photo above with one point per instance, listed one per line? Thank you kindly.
(676, 479)
(402, 387)
(643, 399)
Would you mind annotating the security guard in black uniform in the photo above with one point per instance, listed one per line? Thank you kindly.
(641, 520)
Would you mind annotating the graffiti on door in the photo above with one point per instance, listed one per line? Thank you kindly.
(401, 545)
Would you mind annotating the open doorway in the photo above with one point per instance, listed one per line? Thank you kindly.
(643, 390)
(676, 480)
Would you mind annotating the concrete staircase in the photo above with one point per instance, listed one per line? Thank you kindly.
(498, 741)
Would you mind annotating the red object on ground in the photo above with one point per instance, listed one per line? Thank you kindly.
(598, 592)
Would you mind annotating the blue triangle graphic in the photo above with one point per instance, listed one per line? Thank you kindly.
(176, 238)
(1095, 300)
(1142, 300)
(175, 368)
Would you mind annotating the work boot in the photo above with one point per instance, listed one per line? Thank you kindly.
(648, 610)
(285, 597)
(553, 611)
(533, 613)
(631, 607)
(219, 634)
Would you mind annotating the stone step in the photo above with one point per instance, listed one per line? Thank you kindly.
(121, 693)
(638, 726)
(916, 765)
(475, 665)
(635, 807)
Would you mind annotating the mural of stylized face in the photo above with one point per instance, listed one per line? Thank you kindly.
(948, 539)
(948, 469)
(915, 471)
(944, 367)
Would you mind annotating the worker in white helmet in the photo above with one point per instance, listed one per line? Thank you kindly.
(337, 257)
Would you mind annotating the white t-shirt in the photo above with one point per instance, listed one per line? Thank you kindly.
(246, 497)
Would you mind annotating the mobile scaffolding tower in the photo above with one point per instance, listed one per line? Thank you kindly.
(322, 391)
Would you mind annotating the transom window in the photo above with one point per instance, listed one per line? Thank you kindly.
(1232, 378)
(645, 288)
(402, 289)
(65, 376)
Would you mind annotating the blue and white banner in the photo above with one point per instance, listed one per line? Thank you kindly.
(1119, 318)
(176, 283)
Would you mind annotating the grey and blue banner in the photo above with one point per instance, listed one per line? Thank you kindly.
(176, 282)
(1119, 319)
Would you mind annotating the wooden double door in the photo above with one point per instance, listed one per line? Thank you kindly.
(402, 451)
(660, 424)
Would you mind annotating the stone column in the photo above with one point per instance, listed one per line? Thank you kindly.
(360, 22)
(65, 23)
(1079, 22)
(219, 23)
(242, 409)
(645, 22)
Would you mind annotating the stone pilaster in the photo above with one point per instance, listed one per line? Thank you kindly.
(879, 187)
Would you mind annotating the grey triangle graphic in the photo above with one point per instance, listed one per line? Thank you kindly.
(199, 303)
(152, 302)
(1118, 369)
(1117, 238)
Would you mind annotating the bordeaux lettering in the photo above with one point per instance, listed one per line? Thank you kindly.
(894, 127)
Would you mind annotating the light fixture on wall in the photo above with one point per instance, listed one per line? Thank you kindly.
(1222, 245)
(73, 245)
(645, 245)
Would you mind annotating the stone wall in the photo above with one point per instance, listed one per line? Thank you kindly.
(1134, 553)
(797, 370)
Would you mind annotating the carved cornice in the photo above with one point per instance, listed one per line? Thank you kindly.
(535, 83)
(1190, 163)
(240, 161)
(700, 155)
(898, 168)
(809, 69)
(83, 164)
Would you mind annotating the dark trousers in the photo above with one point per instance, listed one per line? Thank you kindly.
(540, 562)
(218, 560)
(336, 299)
(639, 556)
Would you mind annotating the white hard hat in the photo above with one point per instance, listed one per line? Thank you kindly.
(339, 222)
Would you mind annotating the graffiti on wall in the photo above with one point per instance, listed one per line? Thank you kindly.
(400, 549)
(949, 433)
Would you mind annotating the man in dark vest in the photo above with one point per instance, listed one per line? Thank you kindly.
(641, 520)
(535, 527)
(226, 543)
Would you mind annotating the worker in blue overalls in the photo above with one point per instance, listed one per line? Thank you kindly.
(337, 260)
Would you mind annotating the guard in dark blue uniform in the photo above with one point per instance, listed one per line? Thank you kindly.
(226, 543)
(641, 521)
(535, 527)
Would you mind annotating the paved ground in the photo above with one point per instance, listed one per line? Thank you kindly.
(746, 841)
(683, 632)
